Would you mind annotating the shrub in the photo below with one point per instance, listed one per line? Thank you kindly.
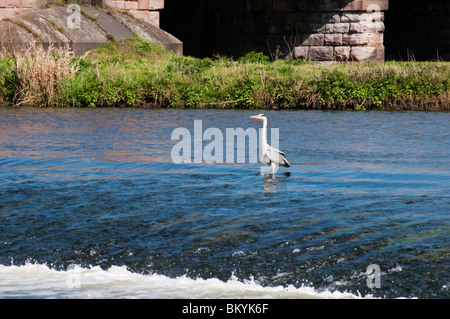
(8, 81)
(188, 65)
(254, 57)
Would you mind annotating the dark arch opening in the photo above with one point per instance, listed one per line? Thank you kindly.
(417, 30)
(414, 29)
(275, 27)
(226, 27)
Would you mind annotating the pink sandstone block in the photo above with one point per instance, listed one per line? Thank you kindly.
(366, 5)
(118, 4)
(356, 39)
(2, 3)
(154, 18)
(143, 15)
(14, 3)
(156, 4)
(341, 27)
(333, 39)
(107, 3)
(364, 53)
(356, 5)
(366, 27)
(27, 3)
(342, 53)
(374, 17)
(321, 53)
(376, 39)
(355, 28)
(312, 39)
(144, 4)
(130, 5)
(150, 4)
(301, 53)
(381, 5)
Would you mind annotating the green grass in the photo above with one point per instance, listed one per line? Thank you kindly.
(8, 81)
(137, 73)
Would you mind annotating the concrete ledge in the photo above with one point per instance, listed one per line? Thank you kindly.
(95, 27)
(109, 24)
(150, 33)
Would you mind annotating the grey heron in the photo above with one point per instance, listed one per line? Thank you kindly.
(270, 155)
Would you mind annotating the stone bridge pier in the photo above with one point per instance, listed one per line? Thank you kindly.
(82, 27)
(336, 30)
(318, 30)
(145, 10)
(340, 30)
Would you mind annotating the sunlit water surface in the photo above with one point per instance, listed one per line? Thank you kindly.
(92, 205)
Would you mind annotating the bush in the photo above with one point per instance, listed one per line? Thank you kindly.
(188, 65)
(254, 57)
(380, 86)
(82, 91)
(9, 81)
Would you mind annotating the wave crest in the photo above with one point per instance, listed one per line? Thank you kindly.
(40, 281)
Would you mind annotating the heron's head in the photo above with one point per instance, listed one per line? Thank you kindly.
(259, 117)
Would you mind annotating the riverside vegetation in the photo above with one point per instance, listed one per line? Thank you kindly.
(137, 73)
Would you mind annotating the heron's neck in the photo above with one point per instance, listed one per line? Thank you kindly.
(264, 133)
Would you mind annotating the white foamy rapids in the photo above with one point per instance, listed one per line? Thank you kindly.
(40, 281)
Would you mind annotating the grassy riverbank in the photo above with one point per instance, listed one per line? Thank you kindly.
(137, 73)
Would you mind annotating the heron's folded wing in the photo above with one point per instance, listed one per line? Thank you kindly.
(277, 157)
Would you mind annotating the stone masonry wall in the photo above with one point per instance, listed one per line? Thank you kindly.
(340, 36)
(320, 30)
(9, 8)
(146, 10)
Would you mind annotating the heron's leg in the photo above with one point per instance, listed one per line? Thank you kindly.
(272, 169)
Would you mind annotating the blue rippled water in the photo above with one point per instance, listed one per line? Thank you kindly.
(97, 189)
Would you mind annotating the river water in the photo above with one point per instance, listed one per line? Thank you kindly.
(92, 205)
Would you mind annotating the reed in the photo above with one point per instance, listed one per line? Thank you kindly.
(41, 75)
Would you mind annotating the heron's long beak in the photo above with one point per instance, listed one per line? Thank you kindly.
(254, 117)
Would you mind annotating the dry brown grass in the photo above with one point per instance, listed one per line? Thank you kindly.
(42, 73)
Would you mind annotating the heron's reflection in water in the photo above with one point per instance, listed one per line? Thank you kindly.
(272, 183)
